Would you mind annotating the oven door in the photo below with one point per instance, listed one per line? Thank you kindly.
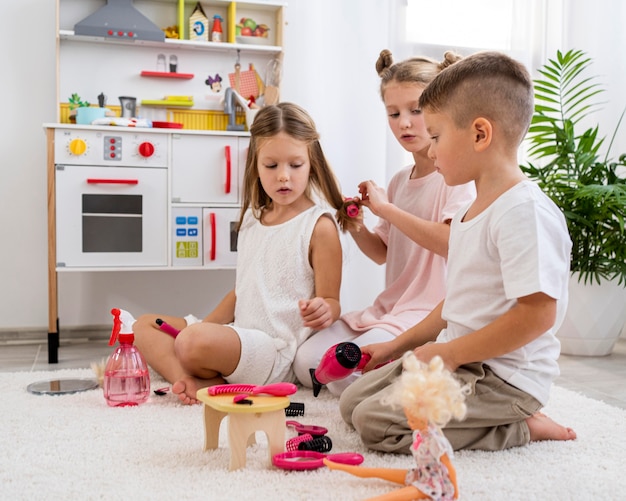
(111, 216)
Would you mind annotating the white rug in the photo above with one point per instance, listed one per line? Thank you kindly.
(75, 447)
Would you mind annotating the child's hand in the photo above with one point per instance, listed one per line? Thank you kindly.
(427, 351)
(373, 196)
(316, 313)
(380, 353)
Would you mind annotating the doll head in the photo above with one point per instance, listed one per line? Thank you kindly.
(428, 393)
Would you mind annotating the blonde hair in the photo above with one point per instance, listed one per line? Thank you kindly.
(297, 123)
(415, 70)
(486, 84)
(428, 391)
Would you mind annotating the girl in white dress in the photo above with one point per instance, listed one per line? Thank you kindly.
(288, 268)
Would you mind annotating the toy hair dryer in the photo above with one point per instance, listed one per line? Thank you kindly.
(338, 362)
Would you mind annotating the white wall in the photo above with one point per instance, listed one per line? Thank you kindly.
(598, 29)
(27, 84)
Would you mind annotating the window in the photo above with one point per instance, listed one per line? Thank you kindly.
(458, 23)
(518, 28)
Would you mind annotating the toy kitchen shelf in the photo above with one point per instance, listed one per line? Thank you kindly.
(166, 74)
(174, 43)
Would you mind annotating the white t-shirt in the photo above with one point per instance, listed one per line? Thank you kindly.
(414, 277)
(516, 247)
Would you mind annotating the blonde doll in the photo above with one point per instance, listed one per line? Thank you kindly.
(430, 397)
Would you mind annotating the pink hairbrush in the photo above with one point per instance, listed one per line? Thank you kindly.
(275, 389)
(311, 460)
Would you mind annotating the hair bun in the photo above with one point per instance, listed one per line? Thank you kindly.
(385, 61)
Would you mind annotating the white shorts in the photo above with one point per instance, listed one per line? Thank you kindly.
(260, 362)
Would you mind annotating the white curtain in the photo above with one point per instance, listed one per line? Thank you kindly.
(537, 29)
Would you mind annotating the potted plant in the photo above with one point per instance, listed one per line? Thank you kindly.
(75, 101)
(82, 110)
(590, 188)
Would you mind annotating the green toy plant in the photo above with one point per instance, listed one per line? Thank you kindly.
(588, 188)
(76, 102)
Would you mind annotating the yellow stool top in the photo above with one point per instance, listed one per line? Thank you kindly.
(260, 403)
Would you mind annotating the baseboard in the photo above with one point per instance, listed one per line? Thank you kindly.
(19, 336)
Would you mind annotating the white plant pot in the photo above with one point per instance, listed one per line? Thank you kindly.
(595, 317)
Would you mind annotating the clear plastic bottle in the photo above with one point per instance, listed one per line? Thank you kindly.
(126, 376)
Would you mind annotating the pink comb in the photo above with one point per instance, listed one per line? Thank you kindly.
(275, 389)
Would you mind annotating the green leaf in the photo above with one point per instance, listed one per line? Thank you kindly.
(564, 162)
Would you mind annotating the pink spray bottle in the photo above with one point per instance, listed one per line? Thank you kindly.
(126, 376)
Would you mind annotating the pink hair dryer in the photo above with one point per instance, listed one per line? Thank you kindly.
(338, 362)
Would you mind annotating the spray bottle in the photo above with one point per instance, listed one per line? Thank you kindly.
(126, 376)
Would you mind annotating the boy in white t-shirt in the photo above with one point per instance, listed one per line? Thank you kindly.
(508, 271)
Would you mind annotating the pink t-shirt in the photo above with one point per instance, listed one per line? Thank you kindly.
(414, 277)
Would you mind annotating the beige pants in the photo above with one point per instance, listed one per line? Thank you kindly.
(495, 419)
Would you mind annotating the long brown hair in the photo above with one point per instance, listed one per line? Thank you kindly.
(297, 123)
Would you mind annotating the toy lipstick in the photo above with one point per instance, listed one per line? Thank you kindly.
(167, 328)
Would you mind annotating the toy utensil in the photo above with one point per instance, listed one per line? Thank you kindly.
(311, 460)
(315, 431)
(272, 80)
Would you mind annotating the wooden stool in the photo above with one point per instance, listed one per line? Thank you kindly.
(266, 414)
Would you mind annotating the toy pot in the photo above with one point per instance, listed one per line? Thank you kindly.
(86, 115)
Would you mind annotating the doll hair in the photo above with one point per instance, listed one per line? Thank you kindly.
(297, 123)
(415, 70)
(428, 391)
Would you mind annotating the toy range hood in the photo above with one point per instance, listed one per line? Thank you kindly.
(119, 19)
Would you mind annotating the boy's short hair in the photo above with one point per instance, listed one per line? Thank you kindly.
(486, 84)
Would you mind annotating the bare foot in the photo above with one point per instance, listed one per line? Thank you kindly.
(186, 389)
(541, 427)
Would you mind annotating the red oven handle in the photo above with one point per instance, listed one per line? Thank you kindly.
(112, 181)
(228, 169)
(213, 235)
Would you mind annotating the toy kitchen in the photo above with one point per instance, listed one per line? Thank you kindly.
(157, 187)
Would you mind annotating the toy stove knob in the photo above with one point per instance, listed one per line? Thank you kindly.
(77, 147)
(146, 149)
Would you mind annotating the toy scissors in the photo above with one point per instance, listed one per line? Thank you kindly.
(311, 460)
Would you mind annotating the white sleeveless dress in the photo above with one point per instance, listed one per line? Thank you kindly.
(273, 274)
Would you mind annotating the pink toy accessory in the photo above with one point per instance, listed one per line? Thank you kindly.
(339, 361)
(275, 389)
(311, 460)
(167, 328)
(352, 207)
(293, 443)
(316, 431)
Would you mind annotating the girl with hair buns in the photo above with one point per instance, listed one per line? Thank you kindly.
(288, 268)
(411, 236)
(430, 397)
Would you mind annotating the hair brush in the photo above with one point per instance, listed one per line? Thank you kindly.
(295, 409)
(275, 389)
